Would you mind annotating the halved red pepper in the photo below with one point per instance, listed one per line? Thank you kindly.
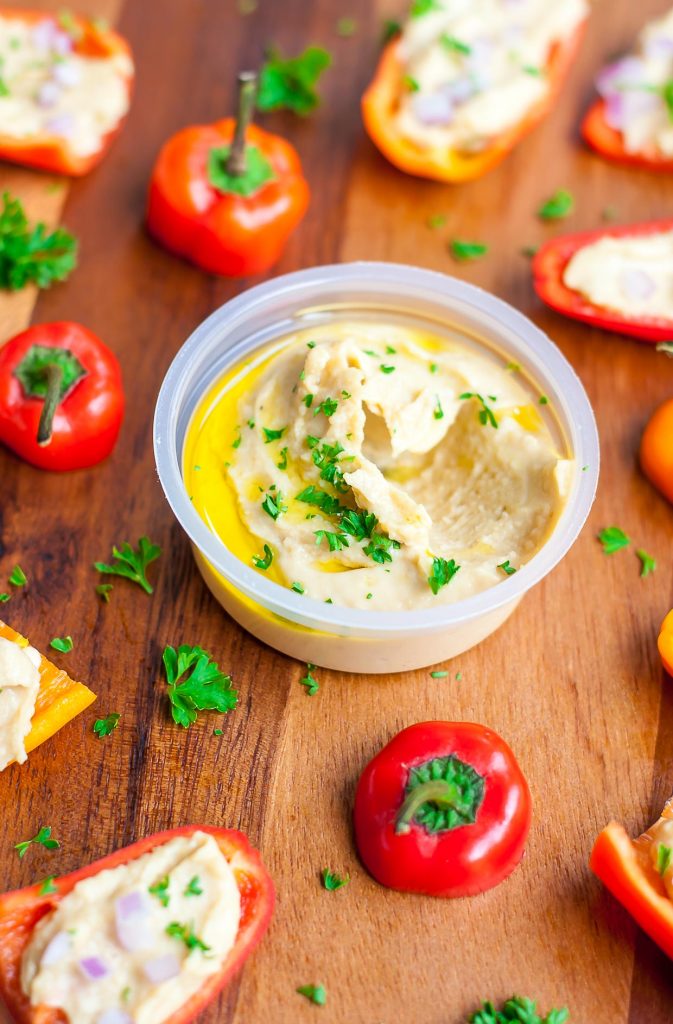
(61, 397)
(610, 143)
(379, 106)
(656, 449)
(227, 196)
(625, 866)
(443, 809)
(21, 910)
(665, 643)
(91, 38)
(549, 266)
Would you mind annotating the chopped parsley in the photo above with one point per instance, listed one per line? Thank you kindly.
(217, 732)
(265, 562)
(320, 499)
(332, 882)
(442, 572)
(664, 857)
(459, 676)
(329, 406)
(160, 890)
(131, 564)
(326, 457)
(315, 993)
(558, 206)
(438, 412)
(513, 367)
(103, 591)
(47, 887)
(379, 548)
(648, 564)
(63, 644)
(105, 726)
(273, 504)
(43, 838)
(31, 254)
(4, 598)
(533, 70)
(335, 541)
(17, 577)
(236, 443)
(309, 681)
(193, 887)
(439, 674)
(185, 933)
(455, 45)
(486, 414)
(311, 344)
(272, 435)
(465, 251)
(613, 539)
(308, 400)
(297, 587)
(390, 350)
(283, 459)
(410, 83)
(290, 83)
(387, 369)
(508, 569)
(195, 684)
(421, 7)
(433, 368)
(543, 400)
(517, 1009)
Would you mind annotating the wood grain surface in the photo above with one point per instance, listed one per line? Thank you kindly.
(572, 681)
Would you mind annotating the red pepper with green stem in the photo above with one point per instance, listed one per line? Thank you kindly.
(443, 809)
(227, 196)
(61, 397)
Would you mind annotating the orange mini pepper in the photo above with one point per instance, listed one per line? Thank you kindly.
(59, 699)
(665, 643)
(626, 868)
(53, 152)
(656, 449)
(227, 196)
(379, 106)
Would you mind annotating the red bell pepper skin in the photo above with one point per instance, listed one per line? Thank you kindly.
(222, 232)
(404, 852)
(53, 152)
(610, 143)
(548, 268)
(21, 910)
(86, 420)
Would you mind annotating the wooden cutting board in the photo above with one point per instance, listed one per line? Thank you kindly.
(572, 681)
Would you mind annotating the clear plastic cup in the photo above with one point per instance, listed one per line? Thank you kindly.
(350, 639)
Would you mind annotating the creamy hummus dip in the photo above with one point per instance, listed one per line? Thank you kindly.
(46, 88)
(132, 944)
(373, 466)
(631, 275)
(635, 90)
(19, 685)
(474, 68)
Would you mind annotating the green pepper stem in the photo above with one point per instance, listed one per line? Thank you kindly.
(54, 374)
(436, 791)
(247, 96)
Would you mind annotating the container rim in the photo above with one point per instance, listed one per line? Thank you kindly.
(312, 287)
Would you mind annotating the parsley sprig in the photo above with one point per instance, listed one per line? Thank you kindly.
(131, 564)
(195, 684)
(613, 539)
(43, 838)
(517, 1009)
(185, 933)
(486, 414)
(442, 572)
(289, 83)
(314, 993)
(105, 726)
(332, 882)
(558, 206)
(32, 254)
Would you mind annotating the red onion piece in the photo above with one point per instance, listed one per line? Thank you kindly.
(637, 284)
(115, 1017)
(93, 968)
(48, 94)
(66, 73)
(56, 949)
(623, 108)
(460, 90)
(659, 48)
(43, 35)
(163, 968)
(132, 922)
(433, 108)
(62, 124)
(61, 43)
(629, 71)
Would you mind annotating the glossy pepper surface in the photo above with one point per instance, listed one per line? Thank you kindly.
(665, 643)
(656, 449)
(21, 910)
(609, 142)
(443, 809)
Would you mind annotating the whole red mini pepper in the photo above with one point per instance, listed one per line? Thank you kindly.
(227, 196)
(50, 151)
(61, 397)
(549, 266)
(443, 809)
(20, 911)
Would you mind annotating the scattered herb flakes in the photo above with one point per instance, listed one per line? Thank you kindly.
(297, 587)
(4, 598)
(558, 206)
(443, 571)
(328, 406)
(368, 597)
(31, 254)
(63, 644)
(47, 887)
(308, 400)
(387, 369)
(666, 347)
(513, 367)
(272, 435)
(311, 344)
(160, 890)
(193, 887)
(532, 70)
(517, 1009)
(185, 933)
(17, 577)
(410, 83)
(315, 993)
(508, 569)
(459, 676)
(273, 504)
(439, 674)
(664, 857)
(613, 539)
(332, 882)
(390, 30)
(290, 83)
(390, 350)
(309, 681)
(335, 541)
(463, 252)
(131, 564)
(346, 27)
(236, 443)
(421, 7)
(530, 251)
(543, 400)
(103, 591)
(486, 414)
(43, 838)
(648, 564)
(438, 412)
(283, 459)
(195, 684)
(105, 726)
(433, 367)
(217, 732)
(454, 45)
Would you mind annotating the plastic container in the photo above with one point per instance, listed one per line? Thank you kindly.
(344, 638)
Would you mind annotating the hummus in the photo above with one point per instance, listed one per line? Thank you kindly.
(46, 88)
(631, 275)
(19, 685)
(376, 467)
(661, 834)
(141, 938)
(474, 68)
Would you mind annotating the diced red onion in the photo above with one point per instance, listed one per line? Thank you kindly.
(460, 90)
(61, 43)
(43, 35)
(614, 77)
(115, 1017)
(637, 284)
(132, 922)
(48, 94)
(55, 949)
(623, 108)
(62, 124)
(480, 62)
(93, 968)
(66, 73)
(433, 108)
(163, 968)
(659, 47)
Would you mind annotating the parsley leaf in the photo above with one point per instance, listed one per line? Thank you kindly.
(486, 414)
(47, 887)
(664, 857)
(387, 369)
(63, 644)
(205, 688)
(315, 993)
(193, 887)
(309, 681)
(667, 96)
(335, 541)
(160, 890)
(273, 504)
(105, 726)
(558, 206)
(613, 539)
(648, 564)
(329, 406)
(263, 563)
(333, 882)
(4, 598)
(290, 83)
(442, 573)
(283, 459)
(455, 45)
(103, 591)
(519, 1010)
(132, 565)
(465, 251)
(185, 933)
(439, 674)
(320, 499)
(18, 577)
(508, 569)
(43, 838)
(297, 587)
(32, 254)
(273, 435)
